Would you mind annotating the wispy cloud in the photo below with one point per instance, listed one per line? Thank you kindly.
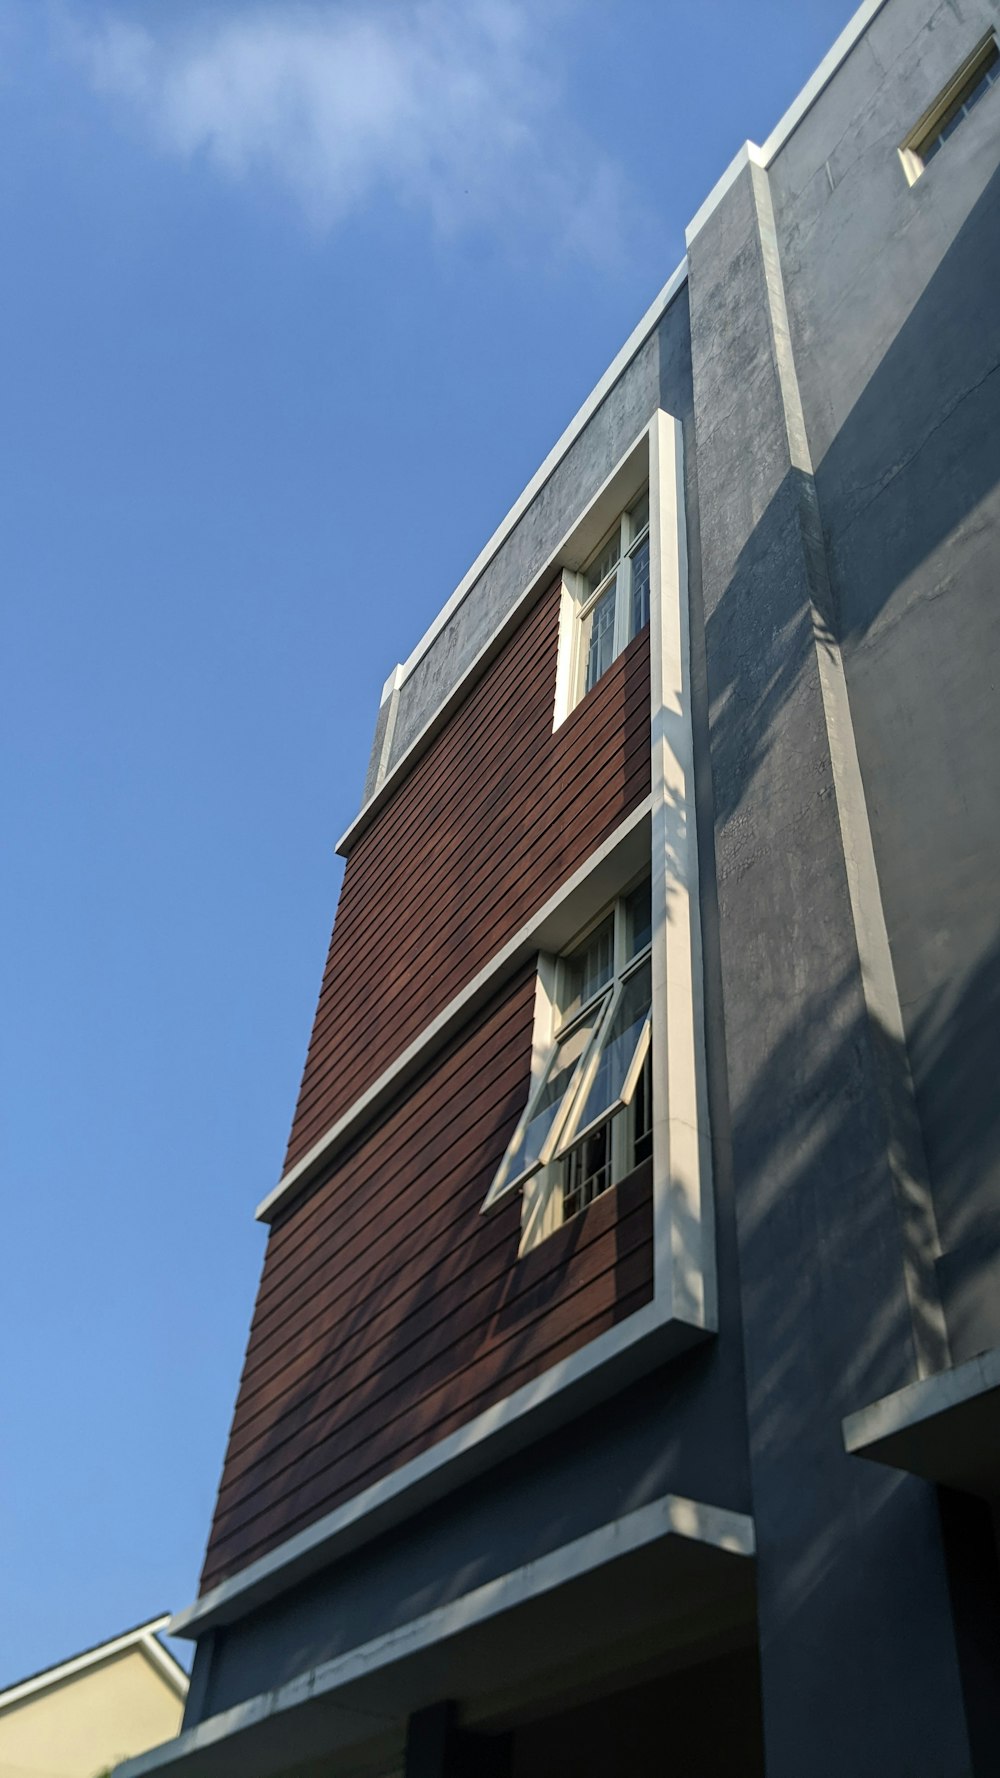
(449, 107)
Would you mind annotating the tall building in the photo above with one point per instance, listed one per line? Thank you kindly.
(623, 1390)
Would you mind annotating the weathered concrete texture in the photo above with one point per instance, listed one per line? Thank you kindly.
(826, 1316)
(657, 373)
(896, 325)
(381, 743)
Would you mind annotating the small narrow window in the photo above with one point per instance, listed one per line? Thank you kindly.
(614, 602)
(978, 73)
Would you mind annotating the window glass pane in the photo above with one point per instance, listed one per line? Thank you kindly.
(525, 1153)
(587, 1171)
(590, 968)
(601, 639)
(982, 78)
(618, 1049)
(638, 517)
(639, 615)
(639, 919)
(604, 563)
(642, 1114)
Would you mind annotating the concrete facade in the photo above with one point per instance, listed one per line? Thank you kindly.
(755, 1554)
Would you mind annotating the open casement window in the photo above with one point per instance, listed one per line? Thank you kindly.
(588, 1118)
(614, 595)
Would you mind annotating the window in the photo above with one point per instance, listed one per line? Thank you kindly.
(588, 1118)
(613, 595)
(977, 74)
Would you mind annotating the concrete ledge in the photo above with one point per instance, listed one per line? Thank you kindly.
(945, 1428)
(606, 1364)
(674, 1562)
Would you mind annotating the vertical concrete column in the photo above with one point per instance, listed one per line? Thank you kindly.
(834, 1225)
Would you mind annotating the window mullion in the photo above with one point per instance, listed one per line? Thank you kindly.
(623, 589)
(561, 1133)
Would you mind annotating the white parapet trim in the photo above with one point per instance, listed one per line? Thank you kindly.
(562, 1391)
(747, 155)
(619, 364)
(749, 152)
(854, 29)
(389, 779)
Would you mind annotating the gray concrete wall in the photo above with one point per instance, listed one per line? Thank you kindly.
(659, 374)
(828, 1315)
(893, 298)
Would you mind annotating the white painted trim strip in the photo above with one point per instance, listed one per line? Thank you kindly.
(806, 99)
(683, 1306)
(923, 1400)
(683, 1218)
(475, 1447)
(459, 691)
(433, 1035)
(747, 154)
(797, 110)
(670, 1516)
(167, 1665)
(615, 369)
(143, 1635)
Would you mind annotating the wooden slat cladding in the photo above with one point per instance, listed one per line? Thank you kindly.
(491, 820)
(390, 1311)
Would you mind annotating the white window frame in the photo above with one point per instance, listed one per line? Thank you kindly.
(542, 1182)
(922, 145)
(608, 513)
(630, 538)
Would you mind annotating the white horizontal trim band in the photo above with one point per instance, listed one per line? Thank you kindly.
(475, 993)
(749, 152)
(550, 1400)
(854, 29)
(619, 364)
(670, 1516)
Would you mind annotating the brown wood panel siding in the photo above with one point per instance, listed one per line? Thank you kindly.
(390, 1311)
(491, 820)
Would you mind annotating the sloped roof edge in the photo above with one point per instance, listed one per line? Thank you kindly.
(144, 1636)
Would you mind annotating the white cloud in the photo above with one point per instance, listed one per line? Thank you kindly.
(451, 107)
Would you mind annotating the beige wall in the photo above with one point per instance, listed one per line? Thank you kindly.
(90, 1721)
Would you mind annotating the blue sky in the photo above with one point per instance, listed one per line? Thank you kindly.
(296, 297)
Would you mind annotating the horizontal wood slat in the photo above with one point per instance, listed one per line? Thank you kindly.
(390, 1311)
(421, 1303)
(419, 1337)
(450, 1409)
(496, 814)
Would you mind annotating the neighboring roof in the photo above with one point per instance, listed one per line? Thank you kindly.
(143, 1636)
